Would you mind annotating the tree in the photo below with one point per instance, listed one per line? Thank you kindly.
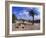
(32, 13)
(13, 18)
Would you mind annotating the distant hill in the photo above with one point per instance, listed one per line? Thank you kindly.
(35, 21)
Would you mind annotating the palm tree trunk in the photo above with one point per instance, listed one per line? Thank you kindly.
(33, 20)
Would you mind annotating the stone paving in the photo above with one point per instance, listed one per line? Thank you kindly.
(25, 26)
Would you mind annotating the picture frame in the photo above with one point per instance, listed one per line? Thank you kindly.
(8, 17)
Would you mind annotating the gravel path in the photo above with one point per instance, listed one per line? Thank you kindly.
(27, 26)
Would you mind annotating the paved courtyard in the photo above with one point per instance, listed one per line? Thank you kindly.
(26, 26)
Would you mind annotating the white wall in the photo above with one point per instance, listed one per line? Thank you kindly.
(2, 19)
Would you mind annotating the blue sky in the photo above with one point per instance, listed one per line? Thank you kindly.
(23, 12)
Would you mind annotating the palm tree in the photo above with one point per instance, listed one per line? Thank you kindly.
(13, 18)
(32, 13)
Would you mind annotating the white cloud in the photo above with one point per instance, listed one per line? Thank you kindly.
(25, 12)
(25, 15)
(36, 17)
